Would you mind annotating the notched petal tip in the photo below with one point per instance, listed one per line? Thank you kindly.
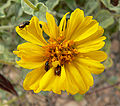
(105, 56)
(15, 52)
(17, 29)
(78, 10)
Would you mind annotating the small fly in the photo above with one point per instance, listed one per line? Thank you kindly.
(47, 67)
(24, 24)
(58, 70)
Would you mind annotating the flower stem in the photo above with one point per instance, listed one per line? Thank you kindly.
(30, 4)
(104, 88)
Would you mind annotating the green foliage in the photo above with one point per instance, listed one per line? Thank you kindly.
(6, 5)
(41, 12)
(71, 4)
(26, 8)
(91, 6)
(108, 63)
(110, 6)
(105, 18)
(51, 4)
(78, 97)
(113, 80)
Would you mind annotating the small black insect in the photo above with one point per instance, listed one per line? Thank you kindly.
(58, 70)
(114, 2)
(24, 24)
(40, 25)
(47, 67)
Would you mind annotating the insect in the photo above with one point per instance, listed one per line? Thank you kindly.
(58, 70)
(114, 2)
(47, 67)
(24, 24)
(40, 25)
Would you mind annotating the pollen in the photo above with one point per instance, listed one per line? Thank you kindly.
(60, 51)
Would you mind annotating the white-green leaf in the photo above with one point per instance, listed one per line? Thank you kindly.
(105, 18)
(7, 4)
(2, 14)
(110, 6)
(20, 12)
(26, 8)
(51, 4)
(108, 63)
(71, 4)
(1, 48)
(91, 6)
(41, 12)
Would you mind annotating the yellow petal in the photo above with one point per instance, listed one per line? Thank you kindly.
(59, 81)
(29, 64)
(63, 23)
(45, 28)
(32, 32)
(76, 78)
(29, 51)
(33, 78)
(85, 31)
(91, 45)
(94, 36)
(93, 66)
(52, 82)
(31, 55)
(86, 21)
(96, 55)
(30, 48)
(53, 29)
(76, 19)
(86, 75)
(70, 85)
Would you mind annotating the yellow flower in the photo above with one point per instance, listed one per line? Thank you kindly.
(64, 62)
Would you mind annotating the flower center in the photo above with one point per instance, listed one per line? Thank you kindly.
(58, 52)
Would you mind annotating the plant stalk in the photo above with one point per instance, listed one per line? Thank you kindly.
(30, 4)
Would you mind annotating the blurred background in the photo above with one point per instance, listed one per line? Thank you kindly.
(106, 90)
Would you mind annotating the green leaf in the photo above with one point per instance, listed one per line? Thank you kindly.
(26, 8)
(41, 12)
(119, 23)
(1, 48)
(107, 46)
(110, 6)
(71, 4)
(11, 10)
(2, 14)
(20, 12)
(105, 18)
(51, 4)
(108, 63)
(91, 6)
(78, 97)
(113, 79)
(6, 5)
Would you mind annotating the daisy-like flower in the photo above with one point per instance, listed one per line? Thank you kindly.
(66, 61)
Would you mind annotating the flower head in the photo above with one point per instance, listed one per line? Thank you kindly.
(64, 62)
